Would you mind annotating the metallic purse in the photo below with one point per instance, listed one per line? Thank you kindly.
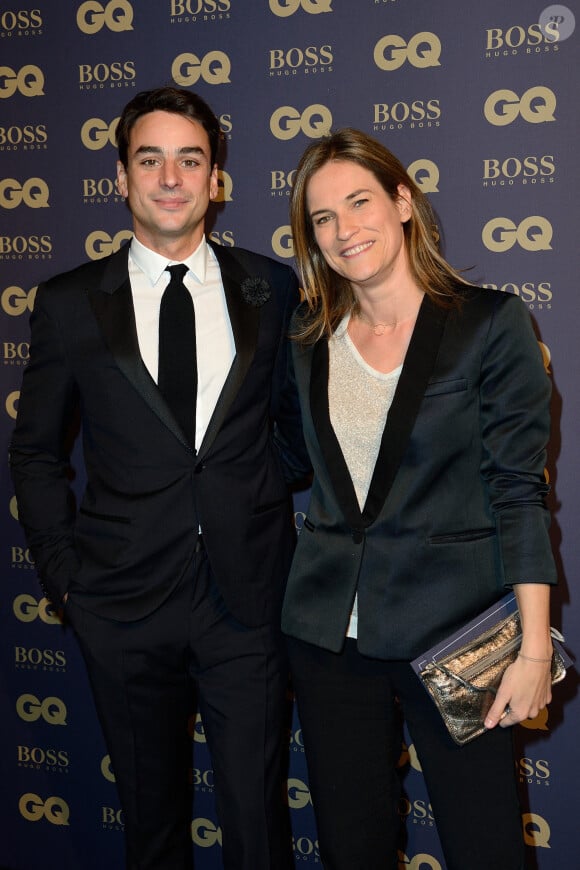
(464, 683)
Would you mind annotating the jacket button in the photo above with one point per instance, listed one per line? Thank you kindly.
(358, 536)
(199, 468)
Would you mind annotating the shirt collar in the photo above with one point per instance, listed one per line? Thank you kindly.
(153, 265)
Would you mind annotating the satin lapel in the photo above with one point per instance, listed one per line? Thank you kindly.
(334, 459)
(245, 323)
(112, 305)
(417, 368)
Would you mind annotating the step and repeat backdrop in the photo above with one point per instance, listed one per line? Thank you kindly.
(480, 101)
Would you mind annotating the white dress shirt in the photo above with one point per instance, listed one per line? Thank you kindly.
(214, 338)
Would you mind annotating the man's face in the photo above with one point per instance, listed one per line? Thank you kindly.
(168, 182)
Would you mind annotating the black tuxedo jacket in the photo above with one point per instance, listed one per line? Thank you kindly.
(455, 510)
(147, 491)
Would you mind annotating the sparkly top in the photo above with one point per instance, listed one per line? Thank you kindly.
(359, 399)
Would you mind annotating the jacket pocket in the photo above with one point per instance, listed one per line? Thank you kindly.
(462, 537)
(440, 388)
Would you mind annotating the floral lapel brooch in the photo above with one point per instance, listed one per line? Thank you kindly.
(255, 291)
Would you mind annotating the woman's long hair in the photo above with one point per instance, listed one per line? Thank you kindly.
(329, 296)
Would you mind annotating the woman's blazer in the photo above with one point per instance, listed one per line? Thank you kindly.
(455, 511)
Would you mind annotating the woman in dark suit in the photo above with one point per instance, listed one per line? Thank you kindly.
(426, 412)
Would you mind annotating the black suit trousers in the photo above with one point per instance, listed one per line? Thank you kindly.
(351, 710)
(146, 677)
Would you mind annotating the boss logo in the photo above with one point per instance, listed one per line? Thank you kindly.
(536, 106)
(418, 113)
(305, 848)
(112, 818)
(423, 50)
(224, 237)
(117, 15)
(17, 247)
(34, 658)
(535, 295)
(101, 189)
(517, 36)
(20, 556)
(15, 353)
(534, 770)
(23, 19)
(199, 7)
(287, 122)
(281, 183)
(29, 81)
(29, 135)
(291, 59)
(115, 74)
(528, 169)
(202, 779)
(35, 756)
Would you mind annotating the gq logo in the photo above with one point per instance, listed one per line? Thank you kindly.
(205, 833)
(536, 831)
(29, 80)
(99, 244)
(54, 809)
(534, 233)
(425, 174)
(315, 122)
(225, 187)
(423, 50)
(106, 769)
(117, 15)
(33, 192)
(26, 609)
(97, 134)
(195, 729)
(421, 861)
(52, 710)
(298, 794)
(16, 301)
(282, 242)
(536, 106)
(214, 68)
(314, 7)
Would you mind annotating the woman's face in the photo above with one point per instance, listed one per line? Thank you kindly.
(357, 226)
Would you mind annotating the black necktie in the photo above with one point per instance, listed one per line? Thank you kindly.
(177, 377)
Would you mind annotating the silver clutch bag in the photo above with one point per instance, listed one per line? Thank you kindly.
(464, 683)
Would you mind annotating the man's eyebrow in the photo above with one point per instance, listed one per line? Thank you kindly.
(156, 149)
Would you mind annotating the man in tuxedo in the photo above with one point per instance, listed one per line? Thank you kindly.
(172, 570)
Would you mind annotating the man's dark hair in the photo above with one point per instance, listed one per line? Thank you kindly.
(167, 99)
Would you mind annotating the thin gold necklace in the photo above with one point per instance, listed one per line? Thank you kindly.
(379, 327)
